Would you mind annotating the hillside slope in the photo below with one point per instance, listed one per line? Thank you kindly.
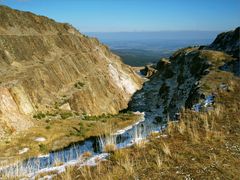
(47, 66)
(203, 142)
(179, 84)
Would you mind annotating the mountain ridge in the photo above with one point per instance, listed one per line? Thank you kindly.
(50, 67)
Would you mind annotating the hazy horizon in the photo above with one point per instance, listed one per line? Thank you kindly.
(141, 48)
(154, 35)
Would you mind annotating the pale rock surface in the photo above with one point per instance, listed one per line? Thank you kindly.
(40, 139)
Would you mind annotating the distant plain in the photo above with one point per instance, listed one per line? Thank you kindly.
(141, 48)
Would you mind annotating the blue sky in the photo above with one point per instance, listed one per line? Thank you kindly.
(137, 15)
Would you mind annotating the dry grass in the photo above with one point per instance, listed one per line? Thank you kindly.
(181, 126)
(140, 144)
(110, 148)
(86, 154)
(85, 173)
(67, 174)
(171, 127)
(61, 134)
(107, 140)
(128, 166)
(165, 148)
(159, 162)
(58, 163)
(200, 146)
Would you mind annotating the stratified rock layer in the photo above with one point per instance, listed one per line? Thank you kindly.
(44, 64)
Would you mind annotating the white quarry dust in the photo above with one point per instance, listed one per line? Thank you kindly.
(122, 80)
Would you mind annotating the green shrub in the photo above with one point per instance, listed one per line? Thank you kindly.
(80, 125)
(51, 114)
(43, 147)
(39, 115)
(66, 115)
(78, 132)
(129, 112)
(76, 114)
(48, 127)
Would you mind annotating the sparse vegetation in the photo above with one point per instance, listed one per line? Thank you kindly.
(79, 85)
(109, 148)
(56, 114)
(81, 131)
(39, 115)
(178, 155)
(66, 115)
(200, 145)
(59, 133)
(48, 127)
(43, 148)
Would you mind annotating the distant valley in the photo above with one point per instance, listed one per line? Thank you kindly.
(141, 48)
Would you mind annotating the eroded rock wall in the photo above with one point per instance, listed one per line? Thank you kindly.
(44, 65)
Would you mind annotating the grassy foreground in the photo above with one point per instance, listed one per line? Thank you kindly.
(202, 145)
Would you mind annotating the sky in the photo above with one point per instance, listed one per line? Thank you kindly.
(137, 15)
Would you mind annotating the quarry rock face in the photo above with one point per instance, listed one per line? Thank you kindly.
(45, 64)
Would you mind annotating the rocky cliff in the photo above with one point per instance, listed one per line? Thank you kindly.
(179, 82)
(50, 66)
(227, 42)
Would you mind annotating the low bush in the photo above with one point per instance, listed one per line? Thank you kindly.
(79, 85)
(66, 115)
(39, 115)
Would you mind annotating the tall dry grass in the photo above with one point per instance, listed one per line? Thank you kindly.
(166, 149)
(128, 166)
(159, 161)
